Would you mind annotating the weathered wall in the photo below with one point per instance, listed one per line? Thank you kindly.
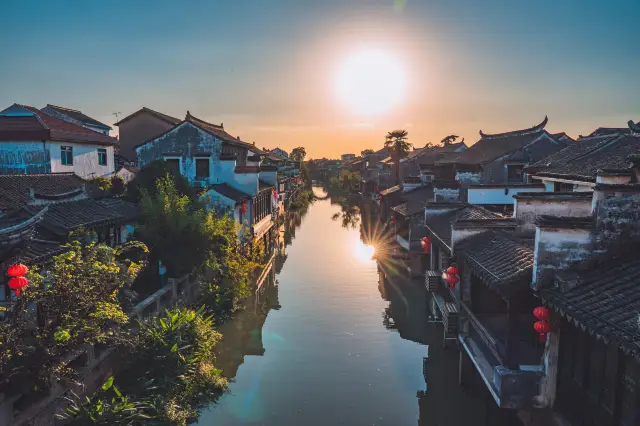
(269, 176)
(527, 211)
(85, 159)
(186, 140)
(618, 218)
(245, 182)
(24, 157)
(500, 195)
(557, 249)
(138, 129)
(446, 194)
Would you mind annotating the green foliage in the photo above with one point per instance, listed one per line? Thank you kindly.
(176, 229)
(102, 183)
(167, 376)
(118, 186)
(298, 153)
(366, 152)
(79, 300)
(145, 181)
(305, 174)
(305, 198)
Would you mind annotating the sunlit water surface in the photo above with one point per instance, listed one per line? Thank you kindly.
(344, 347)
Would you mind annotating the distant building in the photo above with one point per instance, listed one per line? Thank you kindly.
(32, 141)
(76, 117)
(280, 153)
(139, 127)
(347, 157)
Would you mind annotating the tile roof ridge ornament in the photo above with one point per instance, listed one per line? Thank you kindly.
(634, 127)
(535, 129)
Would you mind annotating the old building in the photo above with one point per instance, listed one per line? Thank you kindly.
(227, 167)
(139, 127)
(76, 117)
(592, 160)
(34, 142)
(423, 161)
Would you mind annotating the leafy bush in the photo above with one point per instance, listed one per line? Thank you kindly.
(118, 186)
(145, 181)
(101, 183)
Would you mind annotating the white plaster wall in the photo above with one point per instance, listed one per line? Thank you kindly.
(613, 180)
(219, 202)
(245, 182)
(270, 177)
(85, 159)
(469, 177)
(223, 171)
(556, 249)
(496, 195)
(460, 234)
(527, 211)
(548, 186)
(582, 188)
(446, 194)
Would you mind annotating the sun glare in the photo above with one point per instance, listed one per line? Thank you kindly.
(371, 82)
(363, 252)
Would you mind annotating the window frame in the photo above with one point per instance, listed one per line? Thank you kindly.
(174, 158)
(102, 154)
(195, 164)
(66, 155)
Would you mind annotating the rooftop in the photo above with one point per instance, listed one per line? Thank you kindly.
(440, 223)
(230, 192)
(169, 119)
(28, 123)
(78, 115)
(15, 190)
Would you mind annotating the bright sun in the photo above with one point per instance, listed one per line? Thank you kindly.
(371, 82)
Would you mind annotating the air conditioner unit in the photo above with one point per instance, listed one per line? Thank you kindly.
(432, 280)
(450, 320)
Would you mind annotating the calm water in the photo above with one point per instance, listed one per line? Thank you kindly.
(337, 343)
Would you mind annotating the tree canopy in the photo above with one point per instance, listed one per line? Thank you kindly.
(365, 152)
(448, 140)
(298, 153)
(397, 143)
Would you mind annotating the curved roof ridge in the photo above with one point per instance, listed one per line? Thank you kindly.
(535, 129)
(190, 117)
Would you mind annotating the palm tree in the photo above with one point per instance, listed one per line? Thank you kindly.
(399, 147)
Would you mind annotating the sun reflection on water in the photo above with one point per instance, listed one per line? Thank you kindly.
(364, 252)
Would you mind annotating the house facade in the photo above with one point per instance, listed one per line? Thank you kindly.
(139, 127)
(32, 141)
(229, 169)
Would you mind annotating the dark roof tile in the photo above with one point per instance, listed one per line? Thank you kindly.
(440, 224)
(229, 192)
(78, 115)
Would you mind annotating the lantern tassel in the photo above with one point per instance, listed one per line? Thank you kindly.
(17, 291)
(542, 338)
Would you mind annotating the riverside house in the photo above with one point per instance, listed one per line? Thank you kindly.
(228, 169)
(571, 257)
(32, 141)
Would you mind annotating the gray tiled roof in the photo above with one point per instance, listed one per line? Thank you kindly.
(582, 160)
(498, 259)
(229, 192)
(14, 189)
(602, 297)
(440, 224)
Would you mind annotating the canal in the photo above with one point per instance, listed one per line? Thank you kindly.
(340, 340)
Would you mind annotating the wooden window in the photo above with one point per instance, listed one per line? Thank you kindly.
(514, 173)
(66, 155)
(562, 187)
(202, 168)
(173, 164)
(102, 156)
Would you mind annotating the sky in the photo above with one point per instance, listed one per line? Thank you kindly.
(270, 69)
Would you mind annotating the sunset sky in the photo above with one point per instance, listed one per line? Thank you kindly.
(289, 72)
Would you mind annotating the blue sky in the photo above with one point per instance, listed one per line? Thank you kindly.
(266, 68)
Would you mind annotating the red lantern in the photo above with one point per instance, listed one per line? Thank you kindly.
(426, 244)
(243, 207)
(452, 280)
(452, 270)
(17, 270)
(379, 197)
(542, 328)
(17, 284)
(275, 195)
(393, 220)
(542, 313)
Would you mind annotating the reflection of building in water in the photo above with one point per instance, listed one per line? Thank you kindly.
(243, 334)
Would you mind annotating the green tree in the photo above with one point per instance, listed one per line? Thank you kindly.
(298, 154)
(175, 228)
(448, 140)
(397, 143)
(80, 303)
(102, 183)
(118, 186)
(146, 179)
(366, 152)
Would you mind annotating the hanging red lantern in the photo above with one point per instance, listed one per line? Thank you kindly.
(452, 270)
(452, 280)
(275, 195)
(426, 244)
(17, 270)
(243, 207)
(542, 313)
(393, 220)
(17, 284)
(379, 197)
(542, 328)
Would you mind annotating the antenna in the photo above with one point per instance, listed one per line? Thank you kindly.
(116, 114)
